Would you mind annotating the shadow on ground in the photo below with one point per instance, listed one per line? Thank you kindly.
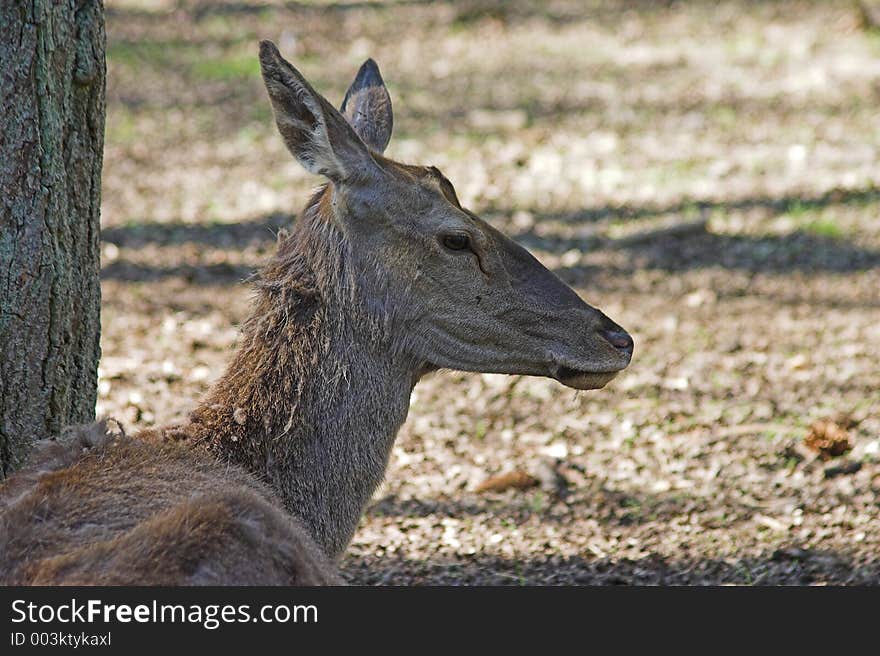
(466, 10)
(614, 507)
(796, 251)
(774, 205)
(229, 235)
(792, 566)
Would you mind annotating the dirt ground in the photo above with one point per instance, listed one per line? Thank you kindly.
(706, 173)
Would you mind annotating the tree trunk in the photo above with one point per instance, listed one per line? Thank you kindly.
(52, 76)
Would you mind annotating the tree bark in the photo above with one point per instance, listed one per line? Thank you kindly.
(52, 85)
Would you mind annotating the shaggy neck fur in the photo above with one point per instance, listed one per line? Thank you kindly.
(317, 390)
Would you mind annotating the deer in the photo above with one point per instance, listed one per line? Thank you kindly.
(383, 279)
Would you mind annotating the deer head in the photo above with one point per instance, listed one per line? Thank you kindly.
(459, 294)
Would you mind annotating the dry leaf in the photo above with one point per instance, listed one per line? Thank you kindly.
(515, 479)
(828, 438)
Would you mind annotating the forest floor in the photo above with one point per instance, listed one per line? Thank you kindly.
(584, 130)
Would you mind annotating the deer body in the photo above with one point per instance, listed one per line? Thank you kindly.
(94, 509)
(384, 278)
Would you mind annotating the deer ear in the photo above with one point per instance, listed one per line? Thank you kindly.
(317, 135)
(367, 106)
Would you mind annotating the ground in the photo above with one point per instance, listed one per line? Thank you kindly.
(706, 173)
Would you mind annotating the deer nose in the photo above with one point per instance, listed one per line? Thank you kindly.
(619, 339)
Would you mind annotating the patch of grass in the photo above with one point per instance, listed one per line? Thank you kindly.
(261, 114)
(155, 54)
(121, 127)
(798, 209)
(872, 36)
(279, 182)
(633, 510)
(233, 67)
(684, 168)
(249, 133)
(466, 18)
(725, 116)
(537, 503)
(824, 227)
(691, 211)
(811, 218)
(162, 55)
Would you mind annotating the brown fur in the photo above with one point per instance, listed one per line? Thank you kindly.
(101, 509)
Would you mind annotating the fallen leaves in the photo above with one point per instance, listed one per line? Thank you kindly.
(829, 437)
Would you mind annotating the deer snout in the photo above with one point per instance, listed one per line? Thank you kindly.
(619, 339)
(609, 349)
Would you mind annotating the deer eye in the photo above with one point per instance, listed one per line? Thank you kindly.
(456, 241)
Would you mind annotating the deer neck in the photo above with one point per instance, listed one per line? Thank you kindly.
(313, 398)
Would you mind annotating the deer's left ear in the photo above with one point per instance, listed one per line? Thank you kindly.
(367, 107)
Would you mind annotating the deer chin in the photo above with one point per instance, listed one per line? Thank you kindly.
(584, 380)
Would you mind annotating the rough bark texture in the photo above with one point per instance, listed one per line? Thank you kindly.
(52, 79)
